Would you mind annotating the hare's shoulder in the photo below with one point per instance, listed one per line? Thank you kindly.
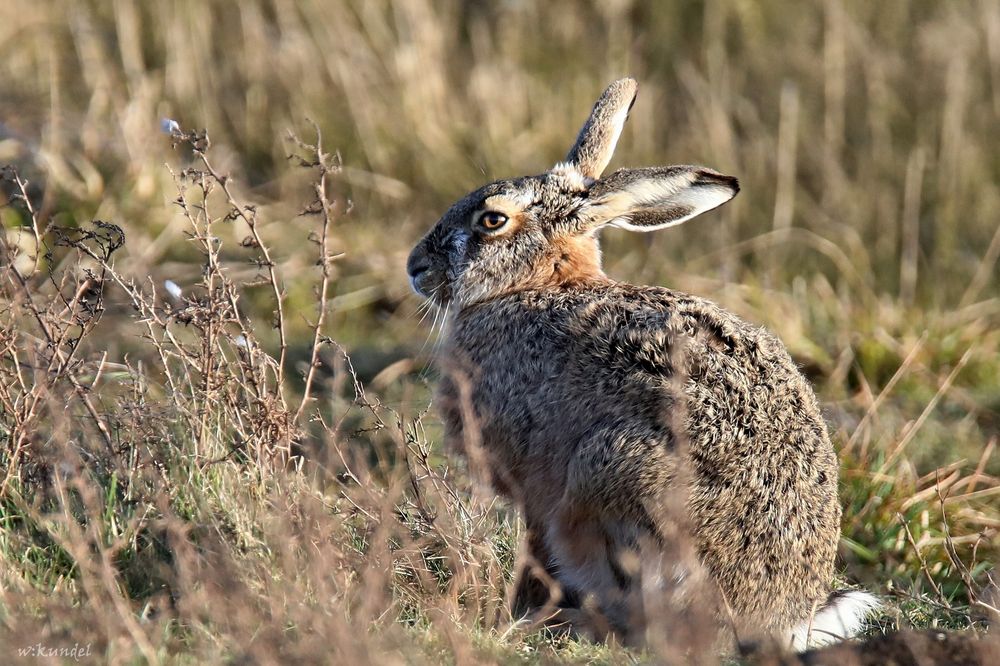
(660, 329)
(737, 376)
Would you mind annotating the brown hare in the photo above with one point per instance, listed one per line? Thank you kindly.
(586, 398)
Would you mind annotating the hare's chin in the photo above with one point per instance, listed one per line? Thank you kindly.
(415, 288)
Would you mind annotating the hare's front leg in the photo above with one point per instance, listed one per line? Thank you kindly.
(587, 552)
(536, 589)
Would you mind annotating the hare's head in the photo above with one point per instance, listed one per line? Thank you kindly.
(539, 231)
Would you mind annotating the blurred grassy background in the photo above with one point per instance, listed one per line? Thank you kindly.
(866, 128)
(866, 235)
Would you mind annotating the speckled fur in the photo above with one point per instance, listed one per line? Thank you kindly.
(574, 382)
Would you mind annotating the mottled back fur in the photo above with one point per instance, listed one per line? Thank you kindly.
(589, 400)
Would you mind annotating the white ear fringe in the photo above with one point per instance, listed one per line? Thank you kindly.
(651, 195)
(841, 618)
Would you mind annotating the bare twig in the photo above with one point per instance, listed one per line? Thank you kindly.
(327, 164)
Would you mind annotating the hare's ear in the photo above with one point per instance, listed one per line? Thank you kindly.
(657, 197)
(596, 142)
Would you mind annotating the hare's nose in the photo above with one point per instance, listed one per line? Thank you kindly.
(416, 266)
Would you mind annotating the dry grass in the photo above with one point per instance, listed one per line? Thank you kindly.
(248, 470)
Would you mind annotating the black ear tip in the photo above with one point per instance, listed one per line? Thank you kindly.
(709, 177)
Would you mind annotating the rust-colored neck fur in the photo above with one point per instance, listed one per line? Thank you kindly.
(571, 260)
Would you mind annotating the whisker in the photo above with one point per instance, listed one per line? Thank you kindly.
(440, 340)
(426, 307)
(437, 314)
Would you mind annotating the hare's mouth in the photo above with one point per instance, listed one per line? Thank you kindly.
(415, 286)
(432, 285)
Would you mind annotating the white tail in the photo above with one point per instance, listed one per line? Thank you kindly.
(840, 617)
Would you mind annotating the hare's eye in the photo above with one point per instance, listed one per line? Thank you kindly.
(492, 220)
